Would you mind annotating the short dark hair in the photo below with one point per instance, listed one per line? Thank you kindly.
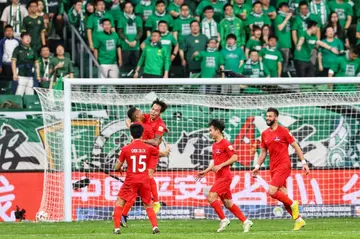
(355, 49)
(193, 22)
(274, 110)
(156, 31)
(208, 8)
(123, 5)
(162, 21)
(105, 20)
(23, 34)
(100, 1)
(8, 26)
(255, 3)
(131, 113)
(217, 124)
(231, 36)
(273, 36)
(311, 23)
(32, 1)
(227, 5)
(44, 46)
(184, 5)
(256, 28)
(136, 131)
(74, 1)
(159, 2)
(302, 3)
(161, 103)
(283, 4)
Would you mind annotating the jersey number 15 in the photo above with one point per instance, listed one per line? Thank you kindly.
(138, 162)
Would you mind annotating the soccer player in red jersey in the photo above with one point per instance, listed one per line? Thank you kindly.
(154, 120)
(137, 117)
(223, 157)
(276, 139)
(141, 159)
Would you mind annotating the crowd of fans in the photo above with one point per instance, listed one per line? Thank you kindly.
(155, 39)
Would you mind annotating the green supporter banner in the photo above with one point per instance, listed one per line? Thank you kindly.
(329, 138)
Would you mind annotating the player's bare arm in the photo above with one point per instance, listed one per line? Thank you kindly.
(155, 141)
(301, 157)
(259, 162)
(232, 160)
(118, 166)
(166, 152)
(201, 174)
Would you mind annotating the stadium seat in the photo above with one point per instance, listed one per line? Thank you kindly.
(5, 87)
(9, 102)
(32, 102)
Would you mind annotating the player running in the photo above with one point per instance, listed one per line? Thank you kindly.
(141, 159)
(223, 156)
(276, 140)
(137, 117)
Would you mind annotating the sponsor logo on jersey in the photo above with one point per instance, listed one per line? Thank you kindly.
(218, 151)
(161, 129)
(277, 139)
(231, 147)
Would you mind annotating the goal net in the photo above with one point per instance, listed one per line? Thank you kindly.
(324, 119)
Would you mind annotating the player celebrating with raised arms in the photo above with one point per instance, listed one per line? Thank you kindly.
(141, 159)
(276, 139)
(223, 157)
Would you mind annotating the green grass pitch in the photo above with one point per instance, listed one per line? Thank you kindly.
(186, 229)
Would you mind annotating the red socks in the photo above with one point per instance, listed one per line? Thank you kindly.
(154, 191)
(152, 216)
(288, 209)
(218, 209)
(128, 205)
(282, 197)
(237, 212)
(117, 216)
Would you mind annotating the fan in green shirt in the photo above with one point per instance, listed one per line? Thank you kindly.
(211, 60)
(43, 67)
(93, 24)
(76, 17)
(155, 59)
(174, 8)
(167, 40)
(254, 43)
(107, 46)
(218, 9)
(321, 9)
(268, 10)
(299, 23)
(61, 65)
(182, 23)
(233, 55)
(160, 14)
(129, 29)
(257, 17)
(272, 58)
(241, 9)
(326, 57)
(191, 44)
(253, 67)
(232, 25)
(344, 11)
(34, 25)
(346, 66)
(145, 9)
(283, 26)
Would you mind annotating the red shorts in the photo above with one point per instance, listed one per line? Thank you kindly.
(279, 176)
(222, 188)
(130, 189)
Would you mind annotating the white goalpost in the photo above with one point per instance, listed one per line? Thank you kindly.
(85, 130)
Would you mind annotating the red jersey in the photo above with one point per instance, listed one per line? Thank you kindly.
(148, 131)
(222, 152)
(139, 158)
(277, 143)
(157, 125)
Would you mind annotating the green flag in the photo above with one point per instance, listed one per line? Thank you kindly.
(59, 84)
